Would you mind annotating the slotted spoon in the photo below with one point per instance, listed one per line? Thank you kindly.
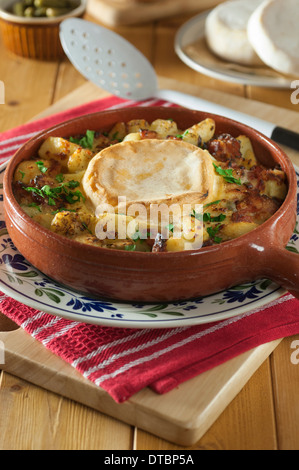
(115, 65)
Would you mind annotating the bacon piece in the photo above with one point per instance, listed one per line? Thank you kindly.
(255, 208)
(147, 134)
(225, 148)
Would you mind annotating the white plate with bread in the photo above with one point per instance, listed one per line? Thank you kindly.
(224, 43)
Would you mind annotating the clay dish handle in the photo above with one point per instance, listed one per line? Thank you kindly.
(280, 265)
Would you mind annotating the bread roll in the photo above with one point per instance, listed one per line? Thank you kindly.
(226, 31)
(273, 33)
(151, 172)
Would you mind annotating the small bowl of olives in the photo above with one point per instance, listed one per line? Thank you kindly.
(30, 28)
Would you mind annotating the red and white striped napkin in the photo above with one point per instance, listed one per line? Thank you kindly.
(124, 361)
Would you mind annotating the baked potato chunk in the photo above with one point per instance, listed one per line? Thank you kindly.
(200, 133)
(236, 229)
(78, 161)
(71, 224)
(247, 152)
(57, 148)
(27, 171)
(136, 124)
(164, 128)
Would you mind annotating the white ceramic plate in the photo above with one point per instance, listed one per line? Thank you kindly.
(20, 280)
(201, 59)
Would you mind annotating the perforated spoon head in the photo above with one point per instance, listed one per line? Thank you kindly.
(108, 60)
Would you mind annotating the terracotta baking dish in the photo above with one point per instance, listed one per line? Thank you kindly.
(152, 277)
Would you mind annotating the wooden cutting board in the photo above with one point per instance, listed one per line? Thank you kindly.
(183, 415)
(125, 12)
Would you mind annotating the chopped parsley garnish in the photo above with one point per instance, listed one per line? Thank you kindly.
(227, 175)
(197, 216)
(62, 209)
(85, 141)
(33, 204)
(136, 236)
(72, 184)
(211, 204)
(22, 173)
(42, 167)
(170, 227)
(206, 217)
(59, 178)
(86, 228)
(59, 192)
(52, 195)
(130, 247)
(181, 136)
(212, 231)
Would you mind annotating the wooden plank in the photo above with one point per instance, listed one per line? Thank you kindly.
(115, 13)
(32, 419)
(285, 371)
(68, 79)
(280, 98)
(28, 85)
(133, 34)
(169, 416)
(247, 424)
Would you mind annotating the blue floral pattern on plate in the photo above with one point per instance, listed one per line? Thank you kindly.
(20, 280)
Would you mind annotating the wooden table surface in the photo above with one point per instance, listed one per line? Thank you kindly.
(263, 416)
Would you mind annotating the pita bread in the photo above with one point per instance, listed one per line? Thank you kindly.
(151, 172)
(226, 31)
(273, 33)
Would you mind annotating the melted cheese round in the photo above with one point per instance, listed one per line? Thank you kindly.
(226, 31)
(151, 172)
(273, 32)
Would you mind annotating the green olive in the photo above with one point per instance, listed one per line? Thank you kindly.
(29, 12)
(40, 12)
(43, 8)
(53, 12)
(18, 9)
(51, 3)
